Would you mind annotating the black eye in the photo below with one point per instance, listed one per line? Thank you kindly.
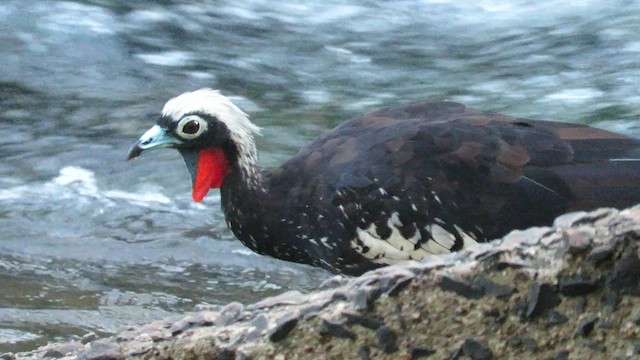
(191, 128)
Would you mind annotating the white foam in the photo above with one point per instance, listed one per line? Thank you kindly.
(12, 336)
(578, 95)
(80, 184)
(137, 198)
(70, 17)
(167, 58)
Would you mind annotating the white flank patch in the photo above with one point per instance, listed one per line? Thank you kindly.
(467, 240)
(397, 248)
(442, 236)
(380, 251)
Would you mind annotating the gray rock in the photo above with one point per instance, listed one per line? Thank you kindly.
(365, 321)
(387, 340)
(334, 329)
(460, 287)
(103, 350)
(586, 326)
(577, 286)
(283, 327)
(542, 297)
(476, 350)
(421, 352)
(88, 337)
(564, 279)
(492, 288)
(61, 350)
(364, 353)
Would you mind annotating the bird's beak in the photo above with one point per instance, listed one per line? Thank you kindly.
(155, 137)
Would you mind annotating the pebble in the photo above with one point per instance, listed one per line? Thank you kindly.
(600, 253)
(338, 296)
(333, 282)
(258, 327)
(570, 219)
(460, 287)
(360, 300)
(53, 353)
(611, 300)
(398, 287)
(57, 351)
(364, 297)
(596, 346)
(476, 350)
(180, 326)
(103, 350)
(286, 298)
(364, 321)
(88, 337)
(420, 352)
(554, 318)
(332, 329)
(283, 327)
(626, 273)
(205, 318)
(577, 286)
(229, 314)
(581, 305)
(400, 318)
(561, 355)
(542, 297)
(579, 241)
(493, 288)
(523, 341)
(586, 326)
(226, 354)
(311, 311)
(364, 353)
(386, 340)
(138, 348)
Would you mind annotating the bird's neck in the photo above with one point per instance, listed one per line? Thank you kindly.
(245, 201)
(246, 174)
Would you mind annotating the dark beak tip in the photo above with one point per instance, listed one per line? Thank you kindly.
(134, 152)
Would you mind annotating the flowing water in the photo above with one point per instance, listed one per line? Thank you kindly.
(89, 242)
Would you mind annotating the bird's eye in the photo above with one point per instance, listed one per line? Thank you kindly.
(191, 127)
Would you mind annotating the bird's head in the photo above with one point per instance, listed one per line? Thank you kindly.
(213, 136)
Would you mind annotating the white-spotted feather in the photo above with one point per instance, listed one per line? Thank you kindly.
(396, 247)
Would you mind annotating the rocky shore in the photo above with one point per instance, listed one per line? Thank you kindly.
(570, 291)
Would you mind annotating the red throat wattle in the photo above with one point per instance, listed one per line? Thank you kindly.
(212, 168)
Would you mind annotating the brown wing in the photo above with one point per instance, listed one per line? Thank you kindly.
(435, 176)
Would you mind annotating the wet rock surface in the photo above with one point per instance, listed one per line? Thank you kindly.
(570, 291)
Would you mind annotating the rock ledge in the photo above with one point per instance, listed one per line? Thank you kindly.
(570, 291)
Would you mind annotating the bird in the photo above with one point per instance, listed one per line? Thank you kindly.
(399, 183)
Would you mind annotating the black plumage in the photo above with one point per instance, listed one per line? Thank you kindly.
(405, 182)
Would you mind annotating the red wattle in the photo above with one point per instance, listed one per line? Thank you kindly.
(211, 170)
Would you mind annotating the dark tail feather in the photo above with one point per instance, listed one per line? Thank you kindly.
(613, 183)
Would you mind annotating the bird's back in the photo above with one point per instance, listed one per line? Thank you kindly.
(452, 175)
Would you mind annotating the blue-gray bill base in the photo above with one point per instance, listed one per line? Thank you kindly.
(399, 183)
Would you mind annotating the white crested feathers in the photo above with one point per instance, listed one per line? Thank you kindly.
(242, 130)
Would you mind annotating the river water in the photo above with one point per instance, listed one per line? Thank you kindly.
(89, 242)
